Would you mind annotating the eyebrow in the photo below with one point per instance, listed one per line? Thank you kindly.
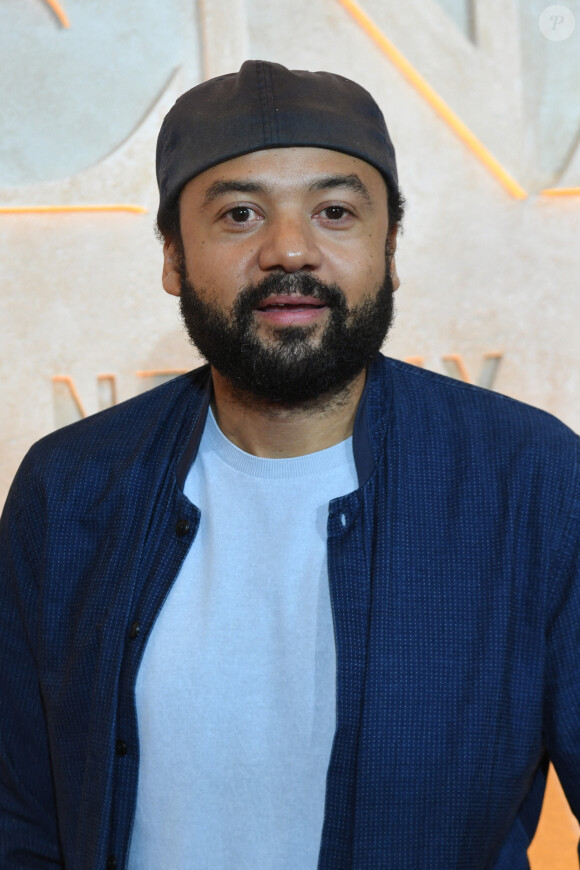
(220, 188)
(351, 182)
(327, 182)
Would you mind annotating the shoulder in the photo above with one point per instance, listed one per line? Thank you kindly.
(507, 458)
(438, 401)
(102, 448)
(437, 420)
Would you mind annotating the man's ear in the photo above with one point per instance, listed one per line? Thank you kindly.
(171, 278)
(392, 247)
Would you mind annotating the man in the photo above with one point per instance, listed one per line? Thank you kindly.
(306, 606)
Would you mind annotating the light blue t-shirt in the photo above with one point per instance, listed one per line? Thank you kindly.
(236, 690)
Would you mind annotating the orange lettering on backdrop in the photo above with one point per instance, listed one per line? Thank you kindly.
(436, 102)
(71, 209)
(456, 368)
(69, 407)
(107, 391)
(157, 377)
(556, 842)
(59, 12)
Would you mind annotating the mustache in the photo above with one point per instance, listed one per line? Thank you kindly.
(294, 284)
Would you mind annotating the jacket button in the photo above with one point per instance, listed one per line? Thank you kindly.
(182, 528)
(134, 629)
(121, 747)
(111, 863)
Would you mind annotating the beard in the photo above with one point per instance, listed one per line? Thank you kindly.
(293, 369)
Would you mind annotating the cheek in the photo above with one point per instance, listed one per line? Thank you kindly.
(221, 265)
(243, 268)
(377, 260)
(200, 264)
(219, 277)
(362, 271)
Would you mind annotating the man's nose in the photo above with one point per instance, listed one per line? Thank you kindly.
(289, 243)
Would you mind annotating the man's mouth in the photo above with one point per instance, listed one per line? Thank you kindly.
(290, 310)
(290, 302)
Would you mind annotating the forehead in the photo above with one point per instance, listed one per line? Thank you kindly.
(287, 170)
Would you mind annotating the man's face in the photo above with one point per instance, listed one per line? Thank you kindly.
(285, 285)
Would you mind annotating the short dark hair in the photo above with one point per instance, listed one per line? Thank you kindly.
(396, 205)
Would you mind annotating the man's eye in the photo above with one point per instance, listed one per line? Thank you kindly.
(334, 212)
(241, 214)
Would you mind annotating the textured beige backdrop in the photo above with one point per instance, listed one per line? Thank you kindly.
(482, 273)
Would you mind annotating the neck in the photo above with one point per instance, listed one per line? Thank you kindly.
(264, 429)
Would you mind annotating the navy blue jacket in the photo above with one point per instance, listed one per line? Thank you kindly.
(454, 574)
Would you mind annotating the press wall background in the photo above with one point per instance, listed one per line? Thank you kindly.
(482, 98)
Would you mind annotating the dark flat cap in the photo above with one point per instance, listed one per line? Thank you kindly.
(265, 105)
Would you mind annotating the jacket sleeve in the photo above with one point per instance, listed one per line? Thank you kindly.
(562, 694)
(28, 823)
